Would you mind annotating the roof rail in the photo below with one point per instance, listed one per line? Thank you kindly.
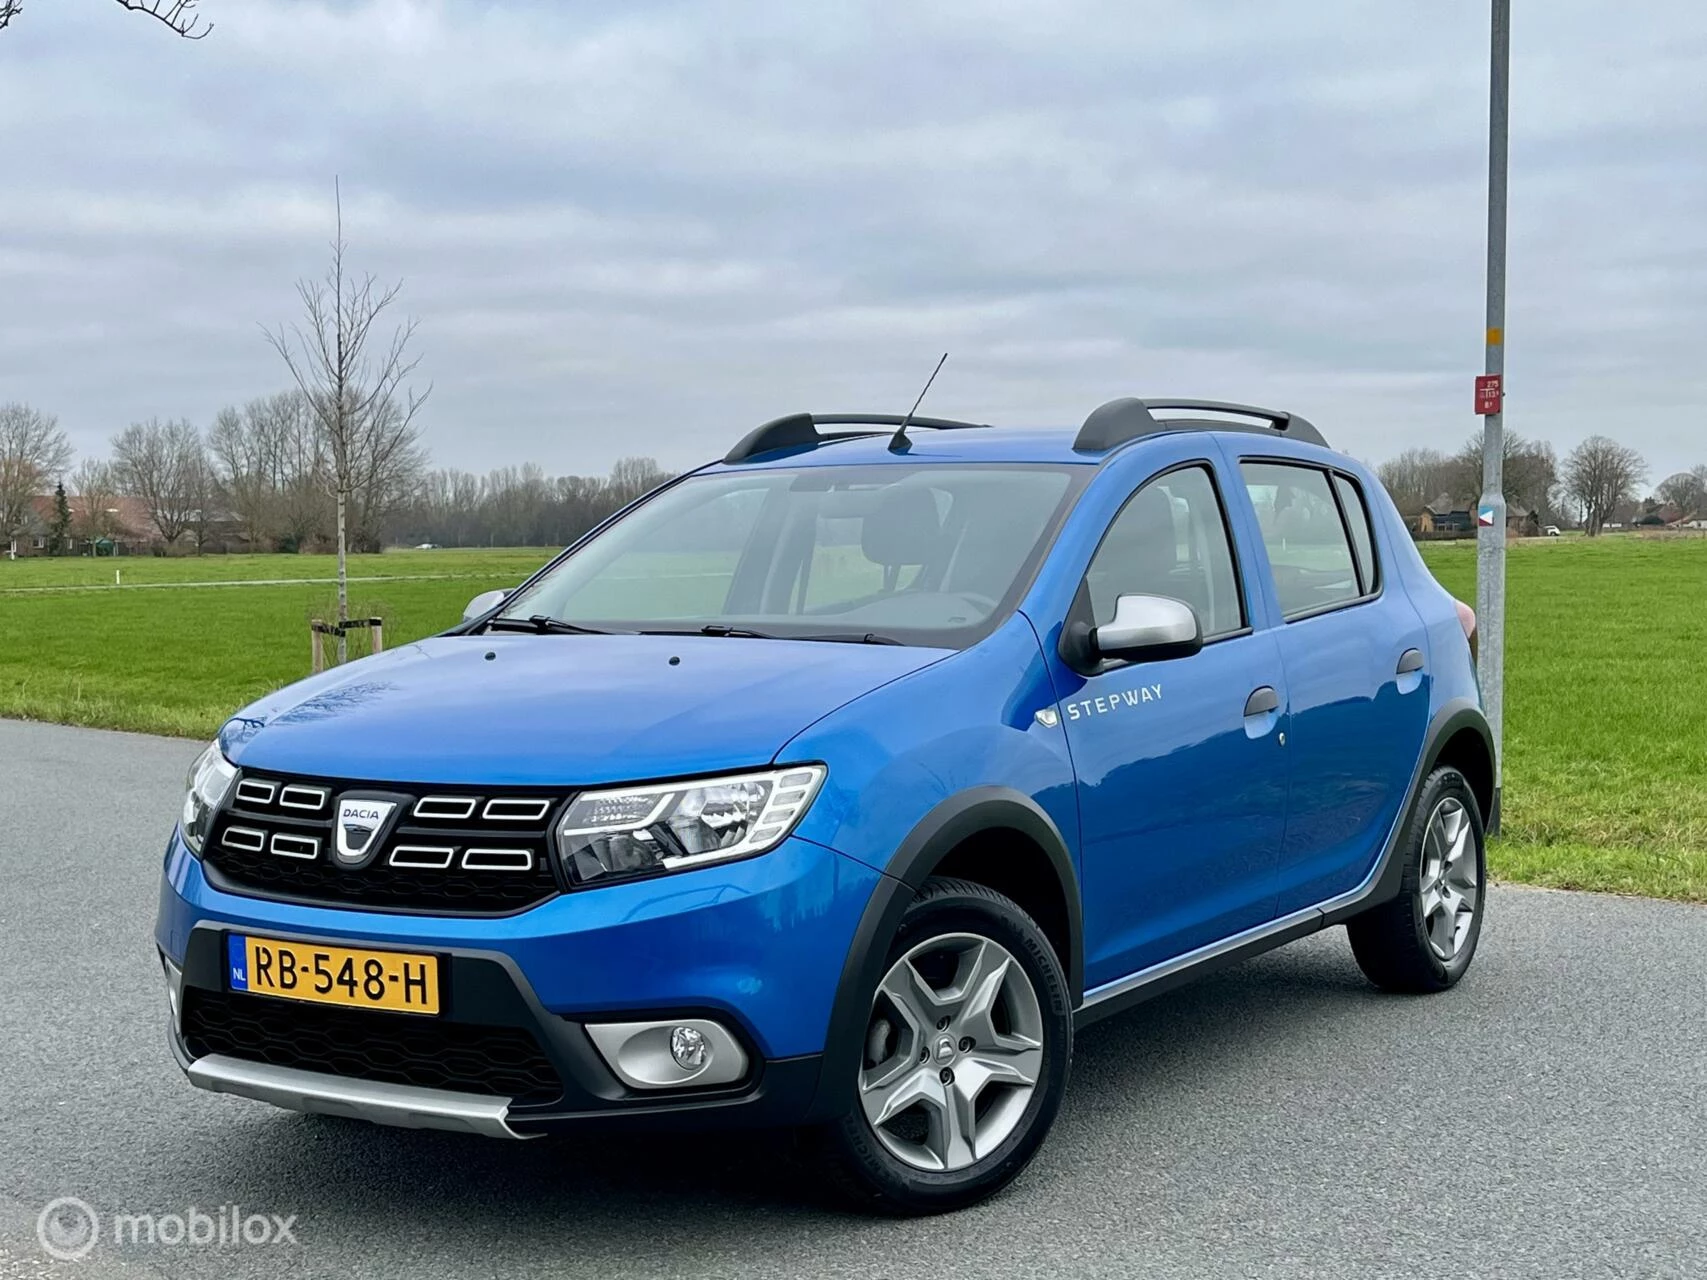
(800, 431)
(1120, 421)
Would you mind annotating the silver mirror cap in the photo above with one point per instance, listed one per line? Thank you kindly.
(1149, 627)
(483, 604)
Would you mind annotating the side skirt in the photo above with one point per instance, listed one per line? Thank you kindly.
(1383, 883)
(1124, 993)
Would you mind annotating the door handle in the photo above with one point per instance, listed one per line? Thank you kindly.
(1410, 660)
(1261, 701)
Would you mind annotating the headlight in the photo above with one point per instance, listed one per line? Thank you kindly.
(210, 778)
(674, 826)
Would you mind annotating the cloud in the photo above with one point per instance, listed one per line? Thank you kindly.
(644, 228)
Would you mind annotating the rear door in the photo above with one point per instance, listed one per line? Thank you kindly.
(1354, 654)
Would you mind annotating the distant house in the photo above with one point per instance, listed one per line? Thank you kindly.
(1443, 518)
(1625, 514)
(122, 527)
(35, 537)
(1523, 523)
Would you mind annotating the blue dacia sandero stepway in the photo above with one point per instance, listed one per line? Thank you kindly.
(834, 784)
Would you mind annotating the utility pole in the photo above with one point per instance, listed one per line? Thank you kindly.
(1490, 402)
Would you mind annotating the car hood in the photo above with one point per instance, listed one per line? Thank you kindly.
(559, 710)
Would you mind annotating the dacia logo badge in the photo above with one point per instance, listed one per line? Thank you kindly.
(361, 827)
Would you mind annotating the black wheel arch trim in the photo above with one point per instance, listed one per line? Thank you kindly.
(947, 826)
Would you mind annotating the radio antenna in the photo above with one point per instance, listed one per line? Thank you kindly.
(899, 441)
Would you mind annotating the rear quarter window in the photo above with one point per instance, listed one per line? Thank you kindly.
(1362, 541)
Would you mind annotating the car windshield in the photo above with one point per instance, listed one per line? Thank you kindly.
(926, 555)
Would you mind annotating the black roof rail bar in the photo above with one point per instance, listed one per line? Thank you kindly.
(800, 430)
(1130, 418)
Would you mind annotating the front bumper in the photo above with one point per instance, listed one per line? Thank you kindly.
(759, 946)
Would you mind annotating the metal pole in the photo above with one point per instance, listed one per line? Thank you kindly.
(1490, 532)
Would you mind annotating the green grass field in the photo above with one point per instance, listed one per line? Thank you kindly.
(1606, 722)
(164, 658)
(1606, 711)
(42, 573)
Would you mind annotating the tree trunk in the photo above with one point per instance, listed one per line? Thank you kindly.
(343, 584)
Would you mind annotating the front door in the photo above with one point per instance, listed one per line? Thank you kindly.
(1182, 778)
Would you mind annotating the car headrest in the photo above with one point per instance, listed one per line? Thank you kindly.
(903, 529)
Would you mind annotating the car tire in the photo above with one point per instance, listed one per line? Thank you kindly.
(1424, 939)
(967, 1050)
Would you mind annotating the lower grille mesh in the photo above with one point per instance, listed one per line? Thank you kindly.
(364, 1044)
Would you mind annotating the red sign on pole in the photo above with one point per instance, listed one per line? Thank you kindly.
(1489, 393)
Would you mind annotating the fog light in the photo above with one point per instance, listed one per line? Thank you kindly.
(694, 1053)
(688, 1048)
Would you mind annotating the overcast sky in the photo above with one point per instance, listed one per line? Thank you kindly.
(645, 227)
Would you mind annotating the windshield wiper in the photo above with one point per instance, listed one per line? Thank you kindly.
(745, 633)
(716, 629)
(852, 637)
(543, 624)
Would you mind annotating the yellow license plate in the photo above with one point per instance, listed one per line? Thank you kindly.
(403, 981)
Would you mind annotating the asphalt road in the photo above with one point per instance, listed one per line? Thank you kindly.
(1548, 1118)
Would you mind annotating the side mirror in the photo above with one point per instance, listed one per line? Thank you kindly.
(483, 604)
(1148, 627)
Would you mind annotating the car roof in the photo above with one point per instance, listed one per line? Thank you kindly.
(1023, 445)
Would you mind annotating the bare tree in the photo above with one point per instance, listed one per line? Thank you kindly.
(1530, 474)
(358, 396)
(179, 15)
(386, 473)
(248, 451)
(305, 508)
(276, 449)
(1602, 475)
(201, 494)
(631, 477)
(521, 506)
(1687, 491)
(32, 449)
(241, 472)
(95, 513)
(1416, 478)
(165, 465)
(271, 469)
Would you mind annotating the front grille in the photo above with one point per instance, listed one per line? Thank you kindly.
(448, 851)
(364, 1044)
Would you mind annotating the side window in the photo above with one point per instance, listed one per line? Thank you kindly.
(1170, 539)
(1308, 548)
(1357, 516)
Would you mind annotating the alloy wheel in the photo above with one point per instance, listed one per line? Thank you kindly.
(1449, 884)
(953, 1054)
